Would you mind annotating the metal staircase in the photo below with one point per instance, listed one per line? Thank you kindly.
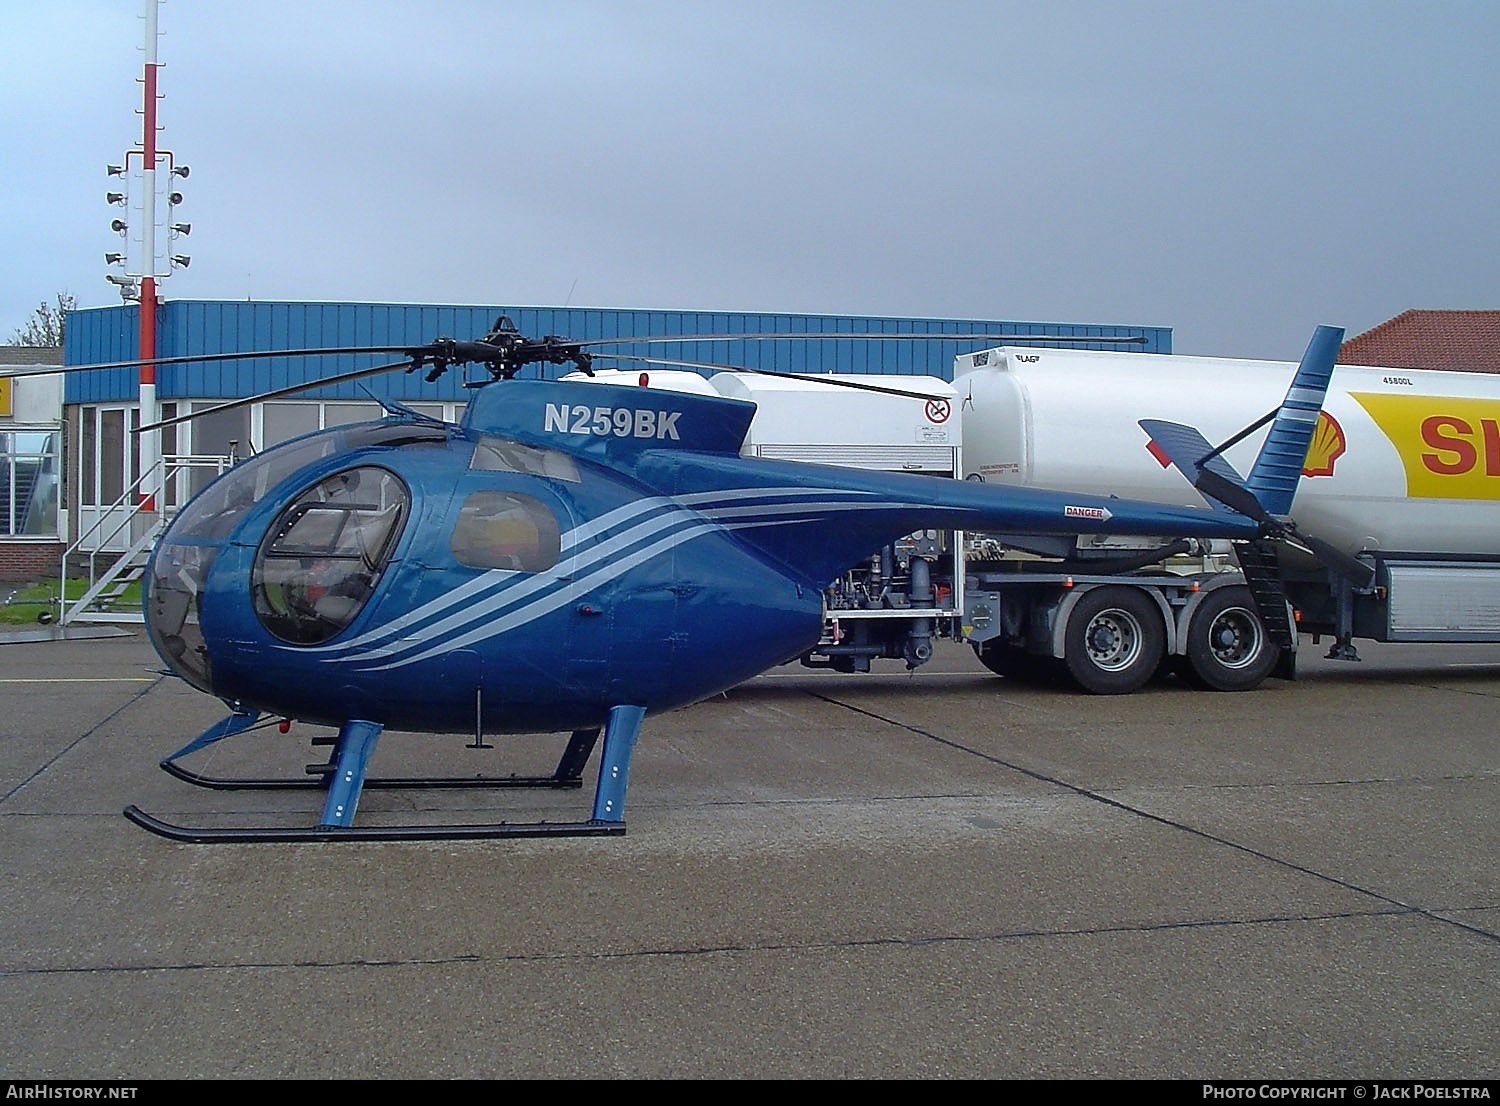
(109, 573)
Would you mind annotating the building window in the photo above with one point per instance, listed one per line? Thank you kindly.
(111, 455)
(110, 458)
(88, 480)
(283, 420)
(30, 485)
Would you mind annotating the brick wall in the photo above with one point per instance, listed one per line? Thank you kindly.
(25, 561)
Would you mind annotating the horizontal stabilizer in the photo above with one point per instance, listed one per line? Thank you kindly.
(1186, 448)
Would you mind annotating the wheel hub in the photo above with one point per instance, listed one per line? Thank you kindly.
(1113, 642)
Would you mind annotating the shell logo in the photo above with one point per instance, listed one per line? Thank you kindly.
(1327, 446)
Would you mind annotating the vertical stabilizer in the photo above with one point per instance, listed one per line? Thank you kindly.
(1278, 469)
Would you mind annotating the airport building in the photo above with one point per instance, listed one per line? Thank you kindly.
(31, 464)
(101, 408)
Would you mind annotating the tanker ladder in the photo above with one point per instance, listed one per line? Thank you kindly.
(1259, 566)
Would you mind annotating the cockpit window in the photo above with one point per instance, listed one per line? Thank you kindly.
(392, 433)
(191, 544)
(498, 529)
(504, 455)
(223, 503)
(321, 560)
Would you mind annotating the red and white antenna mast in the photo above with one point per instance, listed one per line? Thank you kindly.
(151, 174)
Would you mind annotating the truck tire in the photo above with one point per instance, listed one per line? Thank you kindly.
(1015, 663)
(1228, 648)
(1114, 640)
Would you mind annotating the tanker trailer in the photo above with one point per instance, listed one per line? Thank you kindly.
(1402, 472)
(903, 598)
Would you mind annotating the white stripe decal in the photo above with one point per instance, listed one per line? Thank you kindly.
(509, 589)
(526, 596)
(551, 601)
(491, 581)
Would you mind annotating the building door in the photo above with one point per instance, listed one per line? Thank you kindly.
(108, 467)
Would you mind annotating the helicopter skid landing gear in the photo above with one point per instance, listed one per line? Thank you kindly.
(343, 777)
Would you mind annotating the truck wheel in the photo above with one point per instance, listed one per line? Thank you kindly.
(1228, 648)
(1114, 641)
(1014, 662)
(998, 657)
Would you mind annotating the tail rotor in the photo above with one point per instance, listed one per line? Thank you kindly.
(1267, 495)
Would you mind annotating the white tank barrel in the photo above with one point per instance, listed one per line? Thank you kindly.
(1402, 460)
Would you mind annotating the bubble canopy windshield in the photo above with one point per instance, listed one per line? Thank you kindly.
(314, 567)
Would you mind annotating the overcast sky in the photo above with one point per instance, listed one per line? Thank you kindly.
(1239, 172)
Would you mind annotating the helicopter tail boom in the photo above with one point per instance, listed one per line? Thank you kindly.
(823, 518)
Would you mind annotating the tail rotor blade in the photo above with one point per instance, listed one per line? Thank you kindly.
(1243, 500)
(1232, 495)
(1335, 559)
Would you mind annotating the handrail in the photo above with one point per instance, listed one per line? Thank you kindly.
(124, 512)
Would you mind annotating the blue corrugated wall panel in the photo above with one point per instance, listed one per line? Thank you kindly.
(98, 336)
(192, 327)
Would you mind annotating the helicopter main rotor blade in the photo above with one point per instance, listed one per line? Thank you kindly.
(504, 348)
(664, 339)
(198, 358)
(831, 379)
(294, 389)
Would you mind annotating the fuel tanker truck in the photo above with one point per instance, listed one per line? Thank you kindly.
(1401, 474)
(1390, 504)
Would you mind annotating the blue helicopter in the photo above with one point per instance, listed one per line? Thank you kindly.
(566, 560)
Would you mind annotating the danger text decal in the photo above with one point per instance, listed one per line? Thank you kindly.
(1101, 513)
